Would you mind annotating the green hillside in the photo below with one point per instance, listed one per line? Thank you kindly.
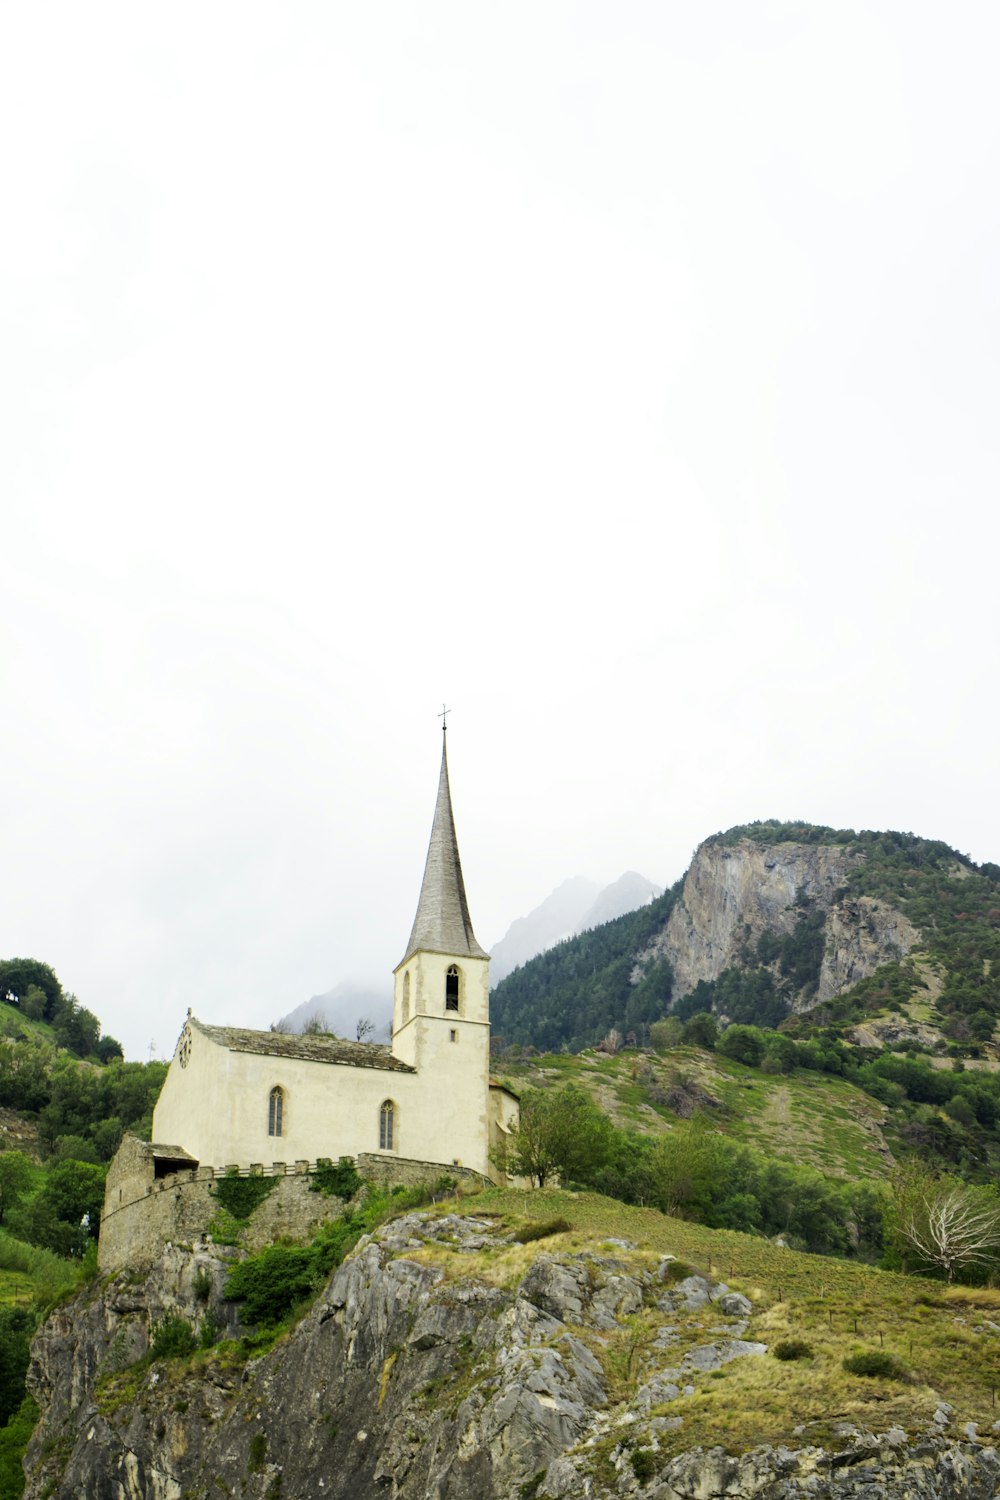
(66, 1096)
(814, 1119)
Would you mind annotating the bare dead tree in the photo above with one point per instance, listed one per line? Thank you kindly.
(317, 1025)
(953, 1227)
(365, 1029)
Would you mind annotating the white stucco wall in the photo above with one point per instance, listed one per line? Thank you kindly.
(216, 1106)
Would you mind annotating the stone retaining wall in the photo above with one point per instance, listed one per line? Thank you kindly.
(388, 1171)
(143, 1212)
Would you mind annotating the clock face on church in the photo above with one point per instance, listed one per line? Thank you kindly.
(184, 1047)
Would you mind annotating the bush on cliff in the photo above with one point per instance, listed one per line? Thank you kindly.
(274, 1282)
(173, 1338)
(271, 1283)
(340, 1181)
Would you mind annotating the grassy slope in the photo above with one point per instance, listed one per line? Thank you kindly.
(30, 1274)
(813, 1119)
(941, 1335)
(13, 1023)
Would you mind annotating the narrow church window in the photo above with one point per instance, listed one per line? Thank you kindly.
(275, 1111)
(453, 1035)
(451, 988)
(386, 1122)
(406, 996)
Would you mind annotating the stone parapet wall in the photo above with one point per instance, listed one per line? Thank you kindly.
(180, 1208)
(390, 1171)
(142, 1213)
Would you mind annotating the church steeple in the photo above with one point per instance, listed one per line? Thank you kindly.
(442, 923)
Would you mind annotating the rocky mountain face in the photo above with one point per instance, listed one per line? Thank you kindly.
(575, 906)
(409, 1381)
(734, 893)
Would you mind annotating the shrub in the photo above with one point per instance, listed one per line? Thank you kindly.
(676, 1270)
(666, 1033)
(876, 1363)
(257, 1453)
(792, 1349)
(240, 1196)
(172, 1338)
(643, 1462)
(270, 1284)
(540, 1229)
(340, 1181)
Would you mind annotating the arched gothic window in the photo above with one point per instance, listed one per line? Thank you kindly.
(275, 1111)
(387, 1126)
(451, 988)
(406, 996)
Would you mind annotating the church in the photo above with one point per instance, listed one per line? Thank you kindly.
(239, 1098)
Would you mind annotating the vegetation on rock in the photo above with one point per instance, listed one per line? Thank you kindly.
(574, 994)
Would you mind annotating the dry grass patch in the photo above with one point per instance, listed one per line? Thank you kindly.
(839, 1307)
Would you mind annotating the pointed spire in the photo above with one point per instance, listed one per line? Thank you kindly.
(442, 923)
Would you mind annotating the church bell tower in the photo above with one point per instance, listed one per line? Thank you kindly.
(441, 1005)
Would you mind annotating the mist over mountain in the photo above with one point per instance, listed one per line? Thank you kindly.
(341, 1008)
(627, 893)
(571, 908)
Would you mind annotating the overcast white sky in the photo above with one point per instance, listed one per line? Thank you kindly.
(625, 374)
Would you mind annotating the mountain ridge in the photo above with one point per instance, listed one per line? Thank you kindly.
(575, 905)
(773, 920)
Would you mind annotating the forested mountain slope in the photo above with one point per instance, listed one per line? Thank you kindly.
(780, 919)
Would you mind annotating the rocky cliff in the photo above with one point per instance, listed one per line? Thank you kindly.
(409, 1378)
(733, 893)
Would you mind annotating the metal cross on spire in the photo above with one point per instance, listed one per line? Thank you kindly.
(443, 716)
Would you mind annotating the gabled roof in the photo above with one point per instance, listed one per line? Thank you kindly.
(318, 1049)
(442, 923)
(504, 1088)
(171, 1153)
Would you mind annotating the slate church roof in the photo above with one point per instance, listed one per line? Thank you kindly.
(320, 1049)
(442, 923)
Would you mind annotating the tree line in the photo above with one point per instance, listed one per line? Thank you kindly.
(33, 989)
(918, 1220)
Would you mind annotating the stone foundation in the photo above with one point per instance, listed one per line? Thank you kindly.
(143, 1211)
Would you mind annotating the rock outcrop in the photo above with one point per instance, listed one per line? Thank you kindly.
(408, 1380)
(861, 935)
(733, 893)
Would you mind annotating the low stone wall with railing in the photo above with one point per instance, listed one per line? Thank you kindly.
(142, 1213)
